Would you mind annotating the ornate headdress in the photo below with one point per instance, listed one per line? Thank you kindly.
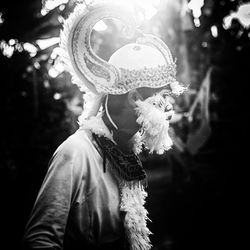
(146, 63)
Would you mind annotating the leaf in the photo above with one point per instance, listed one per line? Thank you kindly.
(199, 137)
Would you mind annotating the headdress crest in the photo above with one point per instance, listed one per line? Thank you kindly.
(91, 73)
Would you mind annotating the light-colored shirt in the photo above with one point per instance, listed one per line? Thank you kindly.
(78, 204)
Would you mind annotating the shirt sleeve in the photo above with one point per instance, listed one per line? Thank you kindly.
(46, 226)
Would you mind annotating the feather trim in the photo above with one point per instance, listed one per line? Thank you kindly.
(155, 128)
(132, 194)
(64, 44)
(91, 100)
(135, 221)
(177, 88)
(96, 125)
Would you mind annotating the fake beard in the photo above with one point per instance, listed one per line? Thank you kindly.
(154, 122)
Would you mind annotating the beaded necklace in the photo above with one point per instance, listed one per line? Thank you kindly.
(127, 166)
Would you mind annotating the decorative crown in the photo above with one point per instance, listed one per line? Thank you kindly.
(154, 67)
(148, 77)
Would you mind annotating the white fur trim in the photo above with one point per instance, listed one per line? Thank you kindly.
(135, 221)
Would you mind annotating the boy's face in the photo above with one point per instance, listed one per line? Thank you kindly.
(122, 107)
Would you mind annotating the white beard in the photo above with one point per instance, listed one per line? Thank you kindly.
(154, 122)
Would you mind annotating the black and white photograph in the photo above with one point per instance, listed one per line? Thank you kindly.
(124, 124)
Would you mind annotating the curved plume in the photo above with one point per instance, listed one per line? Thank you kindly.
(156, 42)
(87, 69)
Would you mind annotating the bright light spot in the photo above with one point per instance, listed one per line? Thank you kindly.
(12, 42)
(197, 22)
(227, 22)
(62, 7)
(1, 18)
(55, 53)
(60, 19)
(150, 12)
(43, 12)
(52, 4)
(100, 26)
(37, 65)
(53, 73)
(57, 96)
(6, 49)
(147, 7)
(29, 69)
(30, 48)
(214, 31)
(242, 14)
(204, 44)
(46, 84)
(45, 43)
(56, 69)
(195, 6)
(59, 67)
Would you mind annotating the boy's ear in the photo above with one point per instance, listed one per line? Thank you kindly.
(133, 96)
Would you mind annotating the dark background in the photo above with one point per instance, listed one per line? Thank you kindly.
(195, 197)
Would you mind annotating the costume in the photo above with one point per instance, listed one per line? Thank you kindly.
(78, 204)
(93, 194)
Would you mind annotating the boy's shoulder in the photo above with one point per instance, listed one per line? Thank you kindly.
(80, 141)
